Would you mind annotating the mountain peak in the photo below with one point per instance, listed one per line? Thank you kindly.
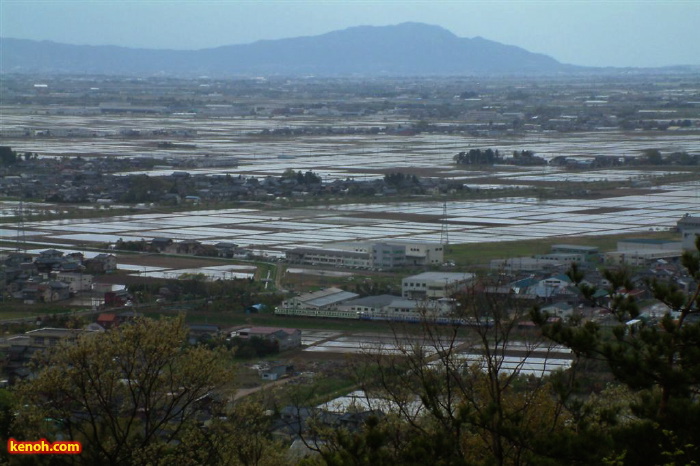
(407, 31)
(406, 49)
(409, 26)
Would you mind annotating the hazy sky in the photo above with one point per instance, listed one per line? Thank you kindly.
(581, 32)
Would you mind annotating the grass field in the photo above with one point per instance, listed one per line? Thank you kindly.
(481, 254)
(12, 310)
(271, 320)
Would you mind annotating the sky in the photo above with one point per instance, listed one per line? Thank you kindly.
(641, 33)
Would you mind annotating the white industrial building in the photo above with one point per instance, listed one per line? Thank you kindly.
(434, 285)
(329, 257)
(689, 227)
(378, 255)
(324, 303)
(640, 251)
(389, 307)
(588, 252)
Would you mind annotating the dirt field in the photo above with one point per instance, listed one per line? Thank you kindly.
(158, 260)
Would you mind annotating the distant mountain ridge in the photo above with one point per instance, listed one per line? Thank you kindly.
(408, 49)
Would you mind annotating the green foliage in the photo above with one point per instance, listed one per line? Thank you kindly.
(653, 156)
(440, 410)
(7, 156)
(658, 360)
(252, 347)
(196, 277)
(144, 188)
(302, 178)
(241, 438)
(478, 157)
(479, 414)
(137, 246)
(401, 180)
(7, 412)
(128, 394)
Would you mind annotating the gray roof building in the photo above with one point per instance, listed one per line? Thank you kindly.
(689, 227)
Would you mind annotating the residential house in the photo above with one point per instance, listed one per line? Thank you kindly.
(226, 249)
(53, 291)
(101, 263)
(160, 244)
(108, 320)
(117, 298)
(188, 246)
(202, 332)
(76, 281)
(19, 350)
(285, 338)
(560, 309)
(552, 288)
(48, 260)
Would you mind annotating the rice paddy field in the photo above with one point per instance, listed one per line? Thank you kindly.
(270, 231)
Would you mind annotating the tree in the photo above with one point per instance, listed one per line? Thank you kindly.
(478, 157)
(241, 438)
(7, 156)
(128, 394)
(143, 188)
(652, 156)
(658, 360)
(308, 178)
(8, 404)
(449, 395)
(289, 174)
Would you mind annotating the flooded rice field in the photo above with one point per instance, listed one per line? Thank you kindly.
(364, 157)
(537, 358)
(332, 156)
(272, 232)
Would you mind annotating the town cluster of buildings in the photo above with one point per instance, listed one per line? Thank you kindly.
(537, 280)
(434, 295)
(98, 180)
(428, 293)
(561, 256)
(192, 247)
(52, 275)
(495, 107)
(636, 252)
(105, 181)
(79, 132)
(17, 351)
(431, 295)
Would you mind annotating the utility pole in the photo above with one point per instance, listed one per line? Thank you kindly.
(444, 232)
(21, 243)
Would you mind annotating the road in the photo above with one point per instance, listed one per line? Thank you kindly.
(243, 392)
